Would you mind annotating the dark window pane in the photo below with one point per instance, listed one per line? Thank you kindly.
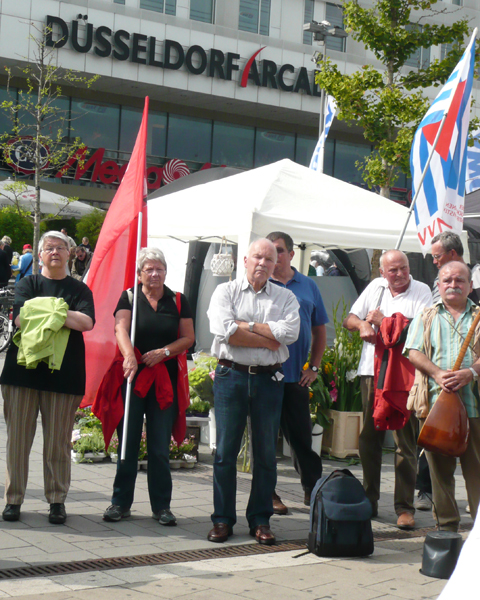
(421, 57)
(233, 145)
(119, 1)
(248, 18)
(171, 7)
(329, 157)
(189, 138)
(334, 15)
(6, 123)
(55, 120)
(346, 154)
(265, 18)
(304, 151)
(95, 123)
(201, 10)
(157, 130)
(156, 5)
(271, 146)
(308, 18)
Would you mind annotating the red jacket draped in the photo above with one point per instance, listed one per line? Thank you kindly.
(394, 374)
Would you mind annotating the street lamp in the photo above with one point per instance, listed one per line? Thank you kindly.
(320, 33)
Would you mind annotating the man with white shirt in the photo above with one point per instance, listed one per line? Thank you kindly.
(394, 292)
(253, 320)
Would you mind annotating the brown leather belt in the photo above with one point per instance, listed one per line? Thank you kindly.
(251, 369)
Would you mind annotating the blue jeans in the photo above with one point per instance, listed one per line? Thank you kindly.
(159, 432)
(238, 394)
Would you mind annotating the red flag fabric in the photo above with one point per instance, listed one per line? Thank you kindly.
(112, 269)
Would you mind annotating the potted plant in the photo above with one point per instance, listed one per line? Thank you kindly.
(112, 450)
(181, 454)
(88, 444)
(142, 452)
(198, 407)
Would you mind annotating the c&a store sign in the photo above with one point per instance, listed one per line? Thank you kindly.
(142, 49)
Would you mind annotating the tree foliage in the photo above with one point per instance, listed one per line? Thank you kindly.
(90, 225)
(389, 102)
(37, 113)
(17, 226)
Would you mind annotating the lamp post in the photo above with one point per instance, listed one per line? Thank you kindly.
(320, 33)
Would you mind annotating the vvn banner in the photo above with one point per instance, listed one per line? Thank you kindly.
(113, 264)
(316, 163)
(439, 155)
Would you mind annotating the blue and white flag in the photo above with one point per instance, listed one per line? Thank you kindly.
(317, 158)
(440, 199)
(473, 164)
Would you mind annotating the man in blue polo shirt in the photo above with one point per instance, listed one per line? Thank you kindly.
(295, 421)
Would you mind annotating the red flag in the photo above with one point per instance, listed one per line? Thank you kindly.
(112, 269)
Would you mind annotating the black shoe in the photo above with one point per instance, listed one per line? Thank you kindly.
(116, 513)
(165, 517)
(11, 512)
(58, 514)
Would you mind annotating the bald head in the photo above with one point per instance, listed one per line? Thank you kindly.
(395, 269)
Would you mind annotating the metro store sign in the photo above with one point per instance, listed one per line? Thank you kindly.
(138, 48)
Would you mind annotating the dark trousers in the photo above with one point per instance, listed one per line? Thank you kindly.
(296, 426)
(159, 432)
(238, 395)
(370, 448)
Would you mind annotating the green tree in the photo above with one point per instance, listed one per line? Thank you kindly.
(38, 113)
(89, 226)
(17, 226)
(389, 102)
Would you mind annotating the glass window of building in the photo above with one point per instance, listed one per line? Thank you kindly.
(346, 155)
(189, 138)
(6, 123)
(420, 59)
(308, 18)
(56, 120)
(157, 130)
(233, 145)
(167, 6)
(444, 50)
(255, 16)
(119, 1)
(271, 146)
(202, 10)
(95, 123)
(304, 149)
(334, 15)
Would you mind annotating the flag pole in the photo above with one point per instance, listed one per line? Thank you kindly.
(412, 206)
(132, 339)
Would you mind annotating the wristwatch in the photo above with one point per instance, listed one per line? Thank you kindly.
(250, 326)
(167, 352)
(314, 369)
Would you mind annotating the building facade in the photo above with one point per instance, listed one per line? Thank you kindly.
(231, 82)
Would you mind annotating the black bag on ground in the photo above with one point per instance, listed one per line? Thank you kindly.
(340, 517)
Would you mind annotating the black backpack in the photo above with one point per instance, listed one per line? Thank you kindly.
(340, 516)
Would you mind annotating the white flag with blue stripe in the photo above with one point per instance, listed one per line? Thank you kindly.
(440, 198)
(317, 158)
(473, 164)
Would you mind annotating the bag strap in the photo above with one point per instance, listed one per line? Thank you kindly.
(22, 272)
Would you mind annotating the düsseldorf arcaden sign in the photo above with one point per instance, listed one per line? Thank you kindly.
(142, 49)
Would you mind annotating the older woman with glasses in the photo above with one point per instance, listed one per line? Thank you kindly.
(164, 331)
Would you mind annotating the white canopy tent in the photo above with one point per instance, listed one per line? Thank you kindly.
(50, 203)
(313, 208)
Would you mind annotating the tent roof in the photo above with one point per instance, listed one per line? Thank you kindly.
(313, 208)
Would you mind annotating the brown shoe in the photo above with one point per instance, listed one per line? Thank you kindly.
(406, 521)
(220, 533)
(263, 534)
(279, 507)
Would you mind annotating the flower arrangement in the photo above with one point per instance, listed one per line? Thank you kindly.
(113, 446)
(337, 385)
(142, 451)
(180, 451)
(87, 442)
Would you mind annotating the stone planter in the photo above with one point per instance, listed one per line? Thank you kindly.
(88, 457)
(341, 438)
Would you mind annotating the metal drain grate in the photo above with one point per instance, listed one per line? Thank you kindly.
(169, 558)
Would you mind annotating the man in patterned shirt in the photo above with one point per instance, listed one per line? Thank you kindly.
(445, 327)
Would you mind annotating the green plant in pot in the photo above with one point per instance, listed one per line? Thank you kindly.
(198, 407)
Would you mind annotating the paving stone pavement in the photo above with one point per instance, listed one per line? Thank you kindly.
(392, 572)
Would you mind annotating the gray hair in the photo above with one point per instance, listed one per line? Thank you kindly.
(7, 240)
(53, 234)
(450, 241)
(152, 254)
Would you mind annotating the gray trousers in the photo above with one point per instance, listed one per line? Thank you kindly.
(370, 447)
(21, 407)
(442, 473)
